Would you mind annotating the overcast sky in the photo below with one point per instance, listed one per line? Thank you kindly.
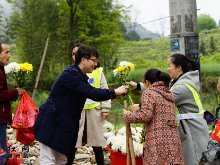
(154, 9)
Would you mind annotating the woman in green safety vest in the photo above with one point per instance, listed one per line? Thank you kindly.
(192, 127)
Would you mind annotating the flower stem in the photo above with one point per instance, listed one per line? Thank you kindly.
(130, 100)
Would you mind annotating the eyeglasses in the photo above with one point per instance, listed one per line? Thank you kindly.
(94, 60)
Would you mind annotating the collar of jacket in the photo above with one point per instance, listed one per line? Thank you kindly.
(2, 68)
(174, 81)
(76, 68)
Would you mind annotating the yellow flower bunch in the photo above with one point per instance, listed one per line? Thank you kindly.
(26, 67)
(120, 69)
(123, 73)
(131, 66)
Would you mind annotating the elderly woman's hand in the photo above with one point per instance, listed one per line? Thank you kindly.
(132, 84)
(125, 113)
(135, 108)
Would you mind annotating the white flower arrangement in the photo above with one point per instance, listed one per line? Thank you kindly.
(108, 126)
(12, 67)
(108, 135)
(139, 129)
(118, 142)
(122, 131)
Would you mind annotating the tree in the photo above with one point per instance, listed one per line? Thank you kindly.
(3, 27)
(205, 22)
(202, 48)
(71, 20)
(133, 21)
(160, 28)
(212, 44)
(1, 23)
(131, 36)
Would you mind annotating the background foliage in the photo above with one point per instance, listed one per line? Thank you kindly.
(74, 21)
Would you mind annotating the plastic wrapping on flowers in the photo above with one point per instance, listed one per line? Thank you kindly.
(117, 139)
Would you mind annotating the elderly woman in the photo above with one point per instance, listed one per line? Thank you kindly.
(162, 141)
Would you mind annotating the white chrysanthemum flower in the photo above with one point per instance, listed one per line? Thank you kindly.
(118, 142)
(12, 67)
(138, 148)
(111, 140)
(114, 72)
(133, 131)
(123, 148)
(108, 134)
(122, 131)
(136, 139)
(7, 70)
(108, 126)
(138, 135)
(139, 129)
(124, 63)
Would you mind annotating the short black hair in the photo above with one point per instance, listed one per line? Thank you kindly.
(1, 48)
(85, 52)
(77, 45)
(98, 65)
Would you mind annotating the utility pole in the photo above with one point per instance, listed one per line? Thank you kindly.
(184, 34)
(41, 66)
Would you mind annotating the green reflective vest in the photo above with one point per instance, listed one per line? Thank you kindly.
(190, 115)
(94, 80)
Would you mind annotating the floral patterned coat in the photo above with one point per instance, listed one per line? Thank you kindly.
(162, 142)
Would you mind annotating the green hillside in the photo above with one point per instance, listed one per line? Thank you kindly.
(146, 52)
(155, 53)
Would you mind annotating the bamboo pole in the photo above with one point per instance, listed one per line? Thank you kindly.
(41, 65)
(127, 135)
(129, 141)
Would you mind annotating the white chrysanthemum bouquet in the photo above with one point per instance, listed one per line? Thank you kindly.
(117, 142)
(123, 73)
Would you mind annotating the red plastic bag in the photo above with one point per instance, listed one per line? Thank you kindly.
(25, 114)
(216, 133)
(14, 157)
(25, 137)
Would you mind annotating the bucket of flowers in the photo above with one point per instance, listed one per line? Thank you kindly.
(117, 144)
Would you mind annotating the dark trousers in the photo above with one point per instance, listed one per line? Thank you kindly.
(3, 144)
(99, 156)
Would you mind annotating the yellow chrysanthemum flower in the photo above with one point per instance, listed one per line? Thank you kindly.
(26, 67)
(131, 66)
(120, 69)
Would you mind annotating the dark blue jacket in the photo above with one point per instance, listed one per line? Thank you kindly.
(57, 123)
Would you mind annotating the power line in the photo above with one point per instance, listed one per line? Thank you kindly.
(91, 36)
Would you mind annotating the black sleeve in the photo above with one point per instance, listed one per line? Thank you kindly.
(138, 87)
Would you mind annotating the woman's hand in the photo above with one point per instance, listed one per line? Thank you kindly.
(135, 108)
(105, 115)
(132, 84)
(125, 113)
(121, 90)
